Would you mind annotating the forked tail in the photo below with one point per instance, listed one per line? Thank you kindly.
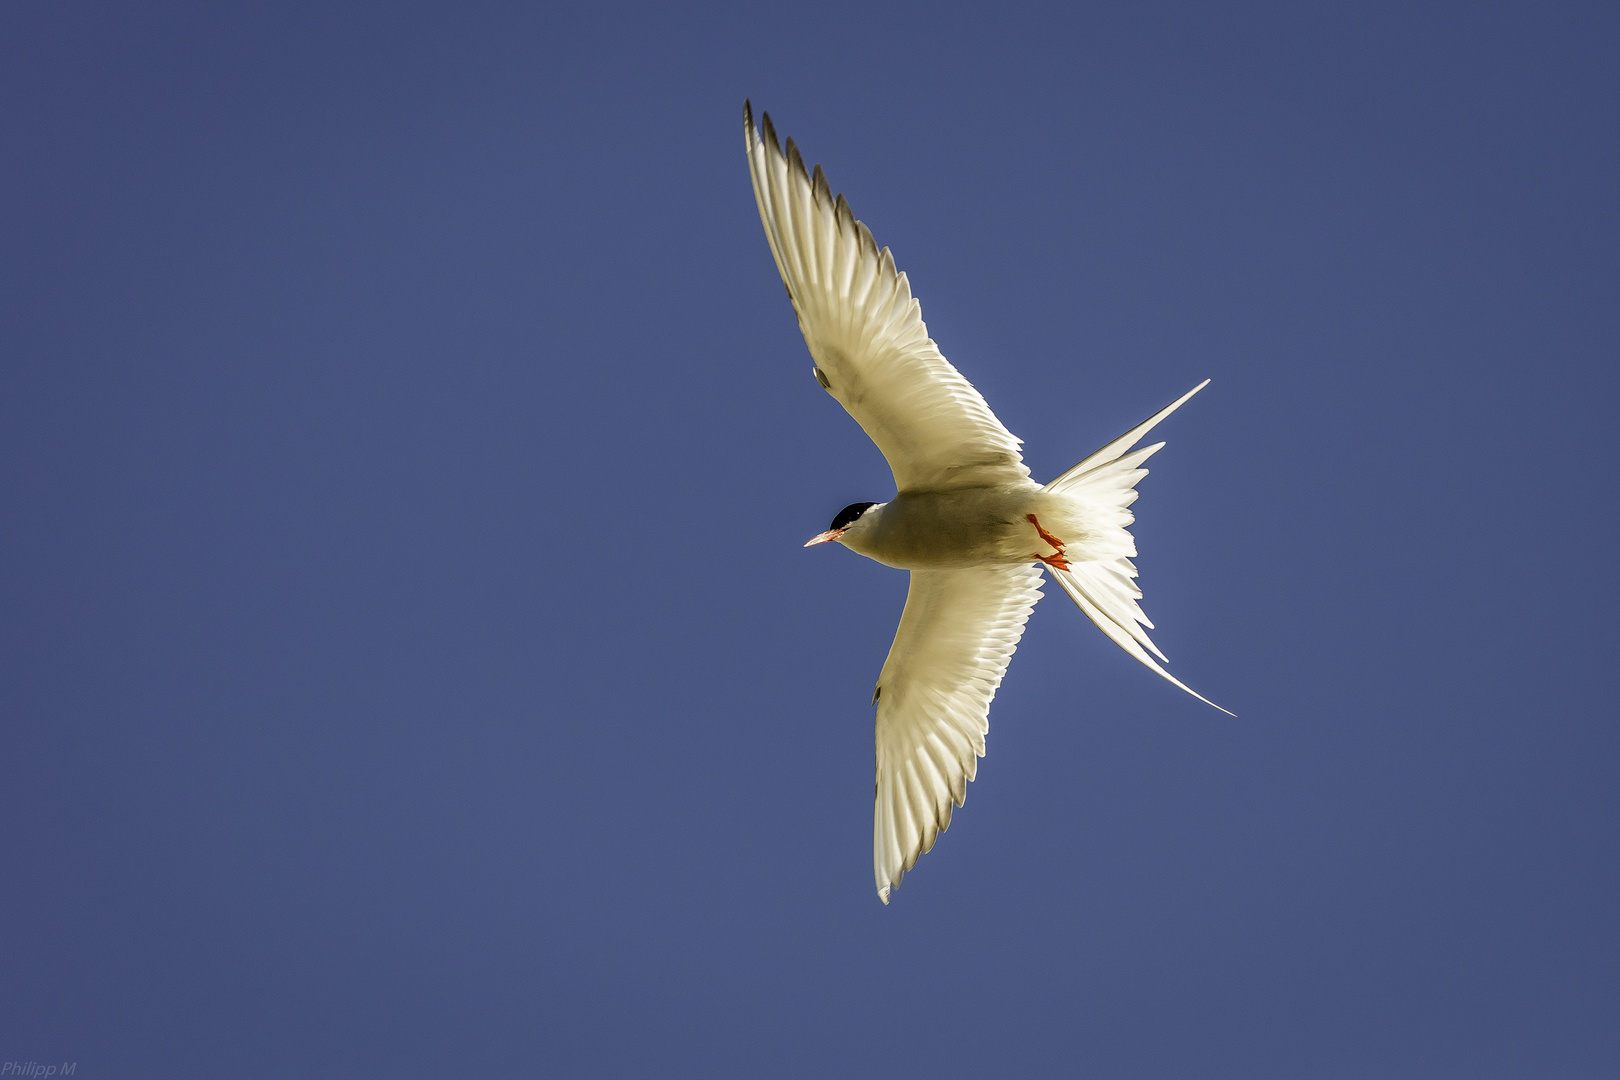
(1105, 589)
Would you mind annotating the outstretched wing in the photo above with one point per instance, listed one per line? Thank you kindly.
(957, 633)
(866, 333)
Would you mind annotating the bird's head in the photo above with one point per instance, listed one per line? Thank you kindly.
(852, 517)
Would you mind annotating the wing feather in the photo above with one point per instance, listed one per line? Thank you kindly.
(866, 333)
(956, 636)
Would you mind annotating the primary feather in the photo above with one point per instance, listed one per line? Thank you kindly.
(866, 333)
(956, 636)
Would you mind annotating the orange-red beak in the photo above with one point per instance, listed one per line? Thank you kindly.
(822, 538)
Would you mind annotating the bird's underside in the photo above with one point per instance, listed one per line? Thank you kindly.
(975, 532)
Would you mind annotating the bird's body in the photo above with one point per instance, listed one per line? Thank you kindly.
(948, 530)
(967, 521)
(982, 526)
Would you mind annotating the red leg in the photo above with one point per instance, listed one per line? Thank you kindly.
(1048, 537)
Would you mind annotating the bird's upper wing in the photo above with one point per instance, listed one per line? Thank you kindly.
(957, 633)
(866, 334)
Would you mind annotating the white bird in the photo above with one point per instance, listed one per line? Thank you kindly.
(967, 521)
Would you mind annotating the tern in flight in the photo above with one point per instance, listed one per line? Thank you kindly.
(974, 530)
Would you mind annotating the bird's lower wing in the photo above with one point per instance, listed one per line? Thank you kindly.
(957, 633)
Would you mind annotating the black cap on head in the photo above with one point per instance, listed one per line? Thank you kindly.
(848, 514)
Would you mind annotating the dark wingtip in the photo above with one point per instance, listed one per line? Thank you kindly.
(845, 216)
(866, 237)
(769, 131)
(796, 159)
(818, 183)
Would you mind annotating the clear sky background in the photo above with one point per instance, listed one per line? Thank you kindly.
(411, 667)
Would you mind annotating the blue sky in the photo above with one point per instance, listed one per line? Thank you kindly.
(411, 667)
